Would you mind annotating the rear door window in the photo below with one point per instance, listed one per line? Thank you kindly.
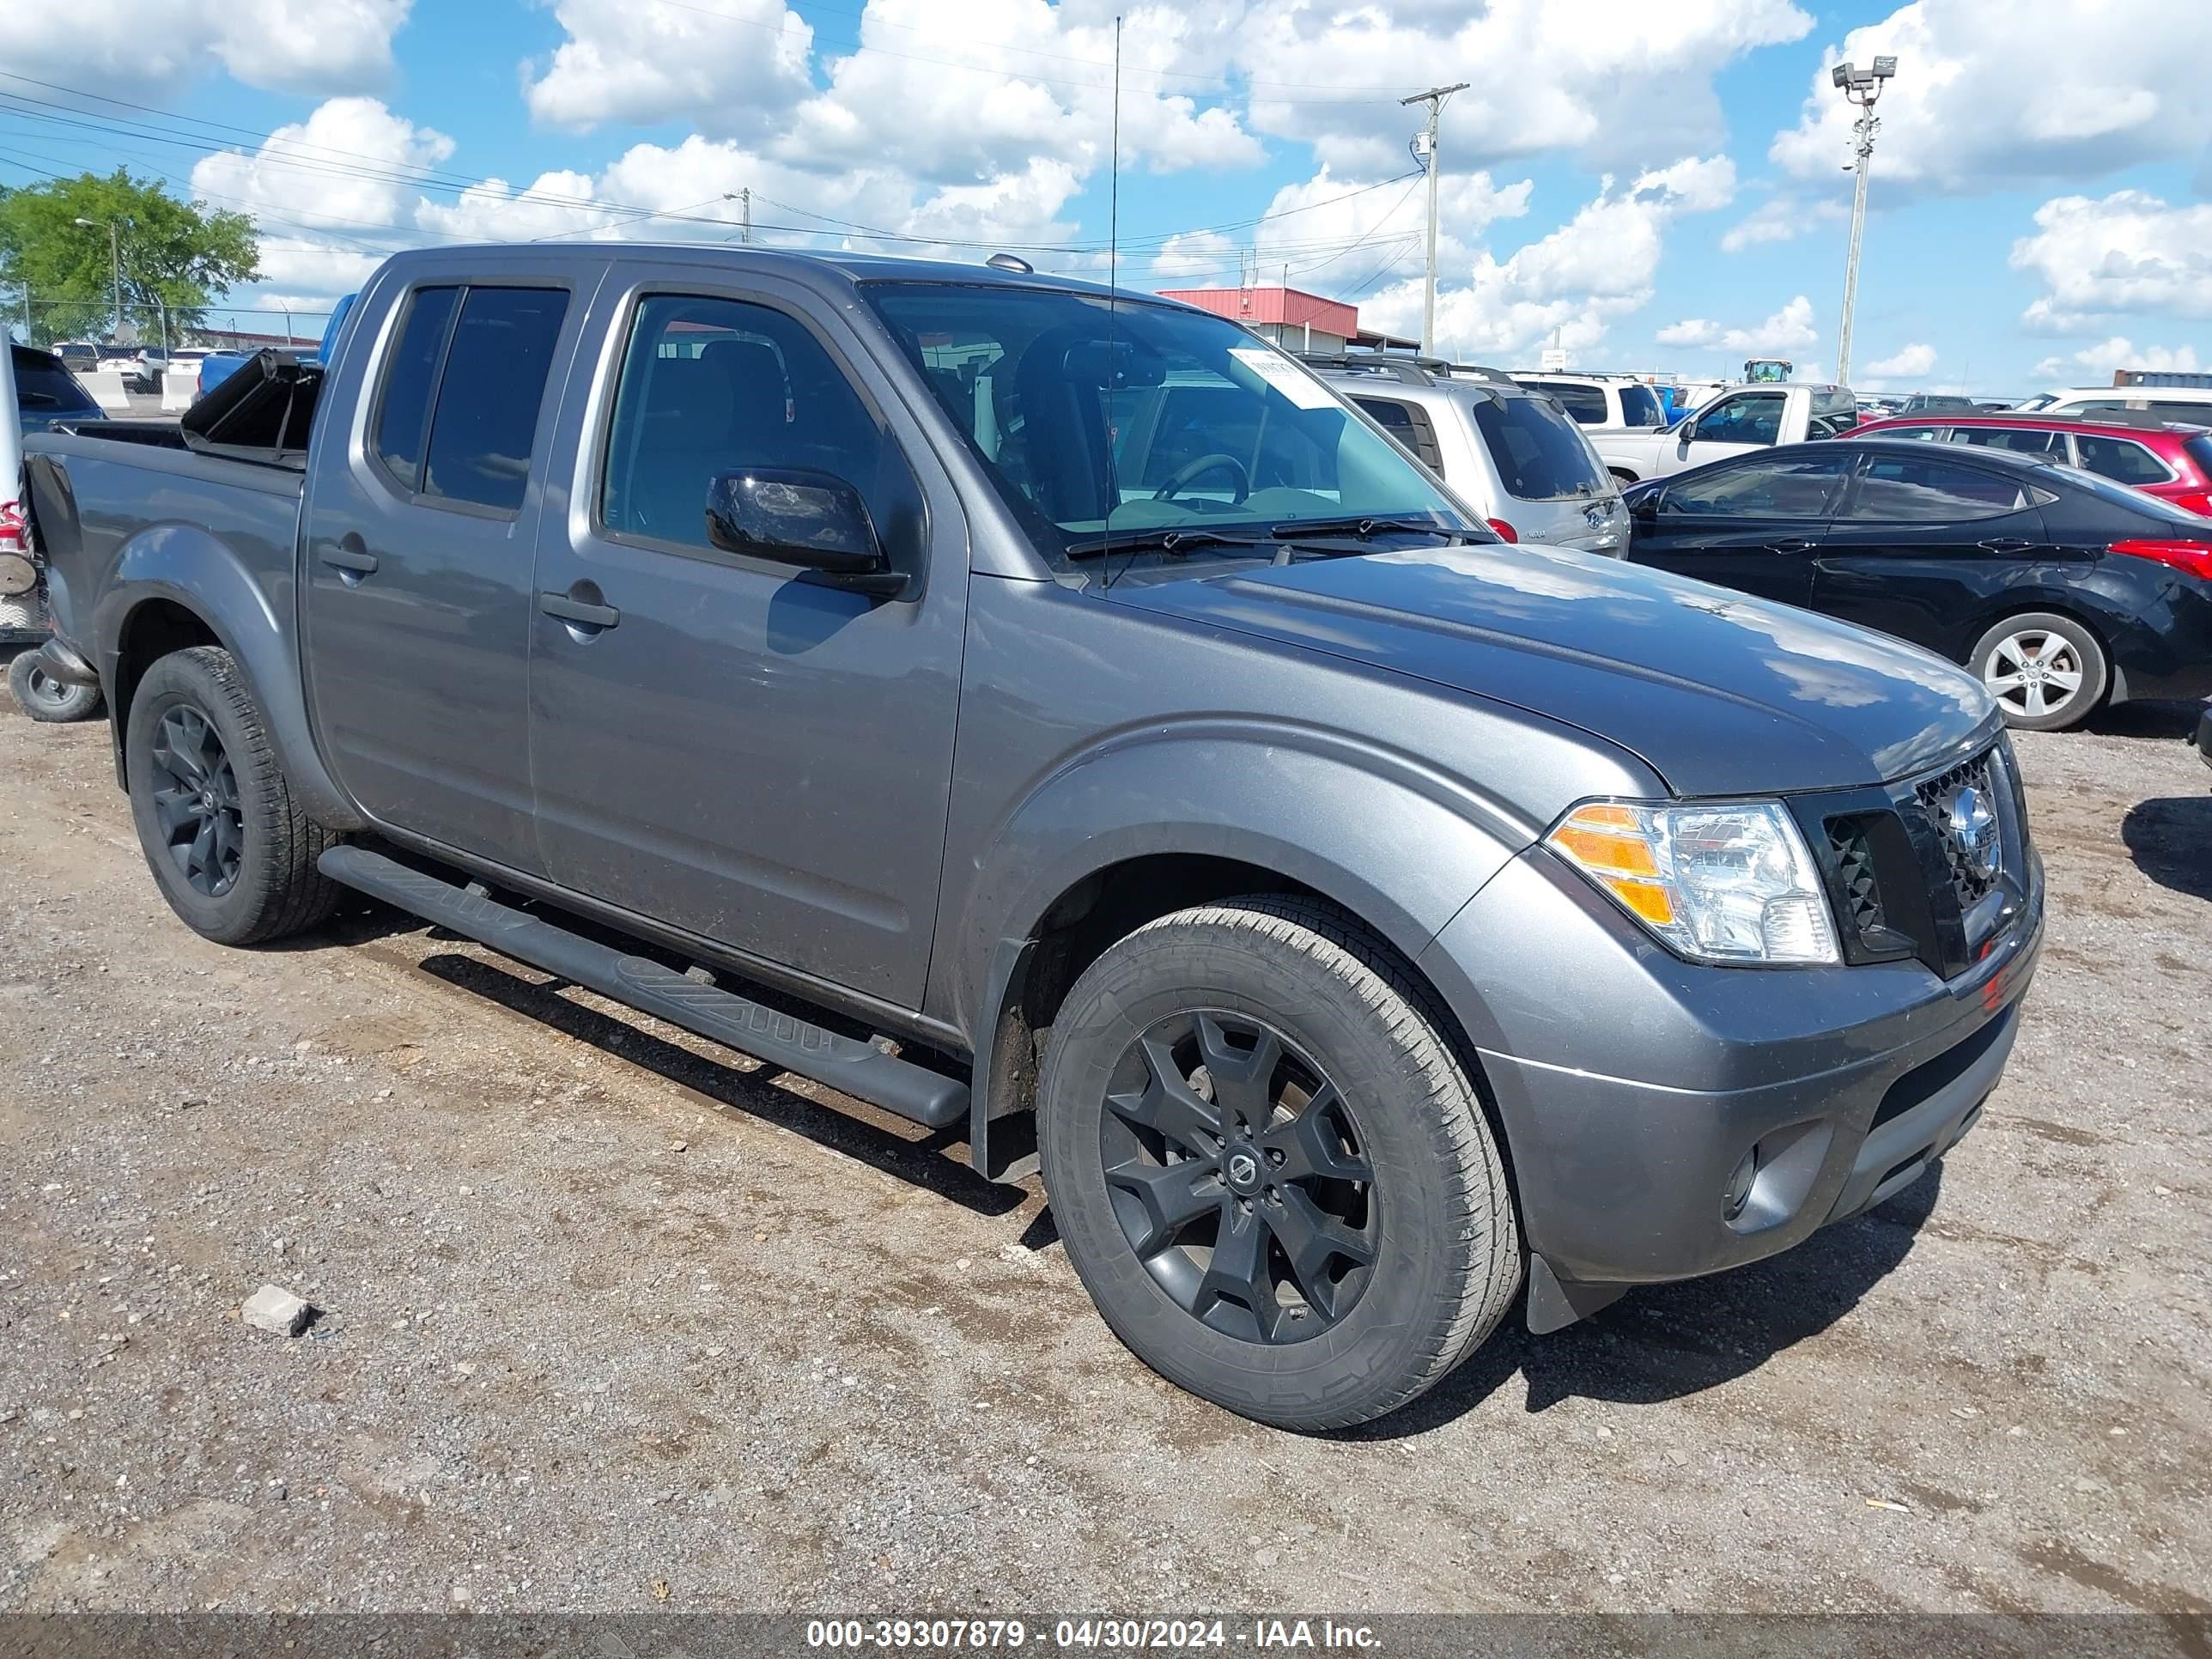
(1538, 454)
(1801, 487)
(457, 417)
(1410, 425)
(1924, 489)
(410, 375)
(2120, 459)
(486, 418)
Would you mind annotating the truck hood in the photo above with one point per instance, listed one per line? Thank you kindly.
(1718, 694)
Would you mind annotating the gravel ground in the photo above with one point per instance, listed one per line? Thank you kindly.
(612, 1321)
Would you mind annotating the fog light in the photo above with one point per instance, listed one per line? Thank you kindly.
(1737, 1192)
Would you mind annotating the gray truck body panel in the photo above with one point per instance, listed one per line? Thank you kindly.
(877, 802)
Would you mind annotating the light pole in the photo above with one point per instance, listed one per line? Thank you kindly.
(115, 261)
(1862, 86)
(1434, 98)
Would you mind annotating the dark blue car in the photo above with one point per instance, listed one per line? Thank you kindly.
(47, 391)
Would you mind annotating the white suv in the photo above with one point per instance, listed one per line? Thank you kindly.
(1506, 450)
(1607, 403)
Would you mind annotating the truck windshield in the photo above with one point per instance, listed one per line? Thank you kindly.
(1149, 418)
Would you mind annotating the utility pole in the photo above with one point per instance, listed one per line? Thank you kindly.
(1862, 88)
(746, 202)
(1434, 98)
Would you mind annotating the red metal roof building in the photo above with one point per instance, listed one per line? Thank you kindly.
(1297, 320)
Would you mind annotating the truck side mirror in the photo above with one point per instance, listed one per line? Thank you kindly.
(798, 516)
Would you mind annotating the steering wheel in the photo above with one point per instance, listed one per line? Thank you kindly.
(1191, 471)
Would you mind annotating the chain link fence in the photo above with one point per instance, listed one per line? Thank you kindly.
(47, 322)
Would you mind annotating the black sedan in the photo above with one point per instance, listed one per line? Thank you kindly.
(2062, 591)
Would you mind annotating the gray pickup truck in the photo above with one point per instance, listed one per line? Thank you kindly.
(1352, 919)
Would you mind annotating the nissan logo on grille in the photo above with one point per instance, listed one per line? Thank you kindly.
(1973, 826)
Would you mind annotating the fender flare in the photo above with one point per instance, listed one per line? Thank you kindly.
(200, 574)
(1389, 837)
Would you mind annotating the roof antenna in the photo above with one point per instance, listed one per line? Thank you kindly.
(1113, 294)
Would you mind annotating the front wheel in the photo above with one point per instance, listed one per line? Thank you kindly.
(45, 699)
(2046, 671)
(233, 855)
(1270, 1171)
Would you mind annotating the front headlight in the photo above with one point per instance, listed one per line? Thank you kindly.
(1728, 882)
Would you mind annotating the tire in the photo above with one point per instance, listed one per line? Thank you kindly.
(44, 698)
(252, 877)
(1434, 1220)
(2025, 661)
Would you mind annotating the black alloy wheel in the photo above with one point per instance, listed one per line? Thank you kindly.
(1239, 1178)
(196, 801)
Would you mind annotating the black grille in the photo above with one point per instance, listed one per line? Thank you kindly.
(1901, 880)
(1935, 796)
(1857, 883)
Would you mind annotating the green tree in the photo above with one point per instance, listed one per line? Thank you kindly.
(177, 258)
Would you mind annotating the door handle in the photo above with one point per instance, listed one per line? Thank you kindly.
(357, 560)
(1791, 547)
(582, 612)
(2006, 544)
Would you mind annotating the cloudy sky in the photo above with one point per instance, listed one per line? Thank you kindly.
(1653, 183)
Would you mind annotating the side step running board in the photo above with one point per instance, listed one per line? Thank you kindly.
(858, 1068)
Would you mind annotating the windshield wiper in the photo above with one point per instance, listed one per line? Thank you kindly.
(1366, 529)
(1168, 538)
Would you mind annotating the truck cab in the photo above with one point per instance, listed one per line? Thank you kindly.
(1735, 421)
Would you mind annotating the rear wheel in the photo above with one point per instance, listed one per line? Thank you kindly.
(233, 855)
(2046, 671)
(1270, 1170)
(44, 698)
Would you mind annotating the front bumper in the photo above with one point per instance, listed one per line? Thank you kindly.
(1631, 1085)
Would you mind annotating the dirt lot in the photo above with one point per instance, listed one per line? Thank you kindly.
(614, 1322)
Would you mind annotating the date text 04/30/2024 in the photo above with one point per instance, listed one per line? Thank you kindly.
(1093, 1634)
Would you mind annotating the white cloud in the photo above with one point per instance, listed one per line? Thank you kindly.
(1912, 363)
(1792, 325)
(1619, 84)
(2129, 252)
(1780, 219)
(731, 67)
(306, 46)
(1343, 233)
(1018, 81)
(1573, 284)
(2093, 365)
(1991, 92)
(342, 170)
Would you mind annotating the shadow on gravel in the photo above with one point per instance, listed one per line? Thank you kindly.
(2145, 719)
(754, 1093)
(1664, 1341)
(2171, 840)
(359, 920)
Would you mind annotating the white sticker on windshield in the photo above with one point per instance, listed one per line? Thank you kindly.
(1286, 377)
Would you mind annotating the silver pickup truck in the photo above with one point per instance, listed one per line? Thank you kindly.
(1353, 919)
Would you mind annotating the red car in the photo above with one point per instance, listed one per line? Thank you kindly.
(2160, 459)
